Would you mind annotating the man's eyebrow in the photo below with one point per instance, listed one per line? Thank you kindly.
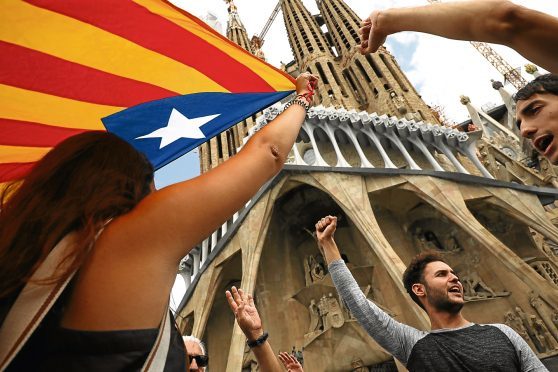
(525, 109)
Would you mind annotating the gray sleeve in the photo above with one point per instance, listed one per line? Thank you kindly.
(396, 338)
(528, 359)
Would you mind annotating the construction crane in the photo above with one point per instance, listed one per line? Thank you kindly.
(258, 40)
(510, 74)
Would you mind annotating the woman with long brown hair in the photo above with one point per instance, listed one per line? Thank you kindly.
(127, 240)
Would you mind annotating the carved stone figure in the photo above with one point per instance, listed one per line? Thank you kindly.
(315, 319)
(530, 330)
(313, 270)
(323, 308)
(426, 240)
(475, 288)
(357, 365)
(538, 304)
(542, 334)
(451, 245)
(398, 102)
(335, 314)
(513, 321)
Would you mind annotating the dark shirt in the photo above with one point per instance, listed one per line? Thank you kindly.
(53, 348)
(474, 348)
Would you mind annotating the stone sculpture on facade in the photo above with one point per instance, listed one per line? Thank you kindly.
(475, 288)
(514, 321)
(532, 329)
(316, 323)
(545, 314)
(314, 269)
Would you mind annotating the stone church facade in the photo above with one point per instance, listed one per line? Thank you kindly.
(375, 155)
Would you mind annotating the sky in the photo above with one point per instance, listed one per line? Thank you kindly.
(442, 70)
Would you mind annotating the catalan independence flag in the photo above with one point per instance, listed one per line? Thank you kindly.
(143, 69)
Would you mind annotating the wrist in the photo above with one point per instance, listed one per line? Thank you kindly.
(253, 335)
(259, 341)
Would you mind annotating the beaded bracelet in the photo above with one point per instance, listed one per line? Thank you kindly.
(298, 101)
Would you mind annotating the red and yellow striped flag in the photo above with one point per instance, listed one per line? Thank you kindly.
(65, 64)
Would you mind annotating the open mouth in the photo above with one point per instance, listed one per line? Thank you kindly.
(455, 289)
(543, 142)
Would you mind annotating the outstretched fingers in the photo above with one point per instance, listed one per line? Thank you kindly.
(232, 303)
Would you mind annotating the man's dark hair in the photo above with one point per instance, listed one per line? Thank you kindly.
(414, 272)
(547, 83)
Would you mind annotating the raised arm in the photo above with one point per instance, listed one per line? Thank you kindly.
(396, 338)
(140, 250)
(531, 33)
(248, 319)
(171, 221)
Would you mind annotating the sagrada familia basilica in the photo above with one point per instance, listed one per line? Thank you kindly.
(374, 154)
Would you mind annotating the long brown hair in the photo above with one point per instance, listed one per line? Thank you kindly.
(81, 183)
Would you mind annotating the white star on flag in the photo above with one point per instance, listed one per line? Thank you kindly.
(179, 126)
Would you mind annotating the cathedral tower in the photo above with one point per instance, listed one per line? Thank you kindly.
(313, 53)
(376, 80)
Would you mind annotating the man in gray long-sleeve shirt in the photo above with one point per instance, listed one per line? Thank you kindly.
(453, 344)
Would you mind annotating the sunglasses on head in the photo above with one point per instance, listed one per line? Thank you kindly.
(201, 360)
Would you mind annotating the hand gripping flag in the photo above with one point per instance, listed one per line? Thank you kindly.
(143, 69)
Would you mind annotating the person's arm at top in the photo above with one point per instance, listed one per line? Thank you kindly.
(531, 33)
(248, 319)
(396, 338)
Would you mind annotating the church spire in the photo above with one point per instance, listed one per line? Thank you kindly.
(235, 29)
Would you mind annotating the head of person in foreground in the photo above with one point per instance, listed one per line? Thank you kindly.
(537, 114)
(433, 285)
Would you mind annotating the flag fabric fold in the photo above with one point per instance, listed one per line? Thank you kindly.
(149, 72)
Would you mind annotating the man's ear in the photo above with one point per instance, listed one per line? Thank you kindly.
(419, 290)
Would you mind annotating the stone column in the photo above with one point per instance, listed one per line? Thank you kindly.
(251, 237)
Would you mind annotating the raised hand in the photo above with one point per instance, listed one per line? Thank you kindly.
(325, 228)
(245, 312)
(306, 83)
(372, 35)
(290, 362)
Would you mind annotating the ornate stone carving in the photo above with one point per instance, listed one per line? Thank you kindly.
(532, 329)
(357, 365)
(426, 240)
(545, 314)
(314, 269)
(335, 314)
(316, 323)
(545, 268)
(474, 287)
(507, 145)
(514, 321)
